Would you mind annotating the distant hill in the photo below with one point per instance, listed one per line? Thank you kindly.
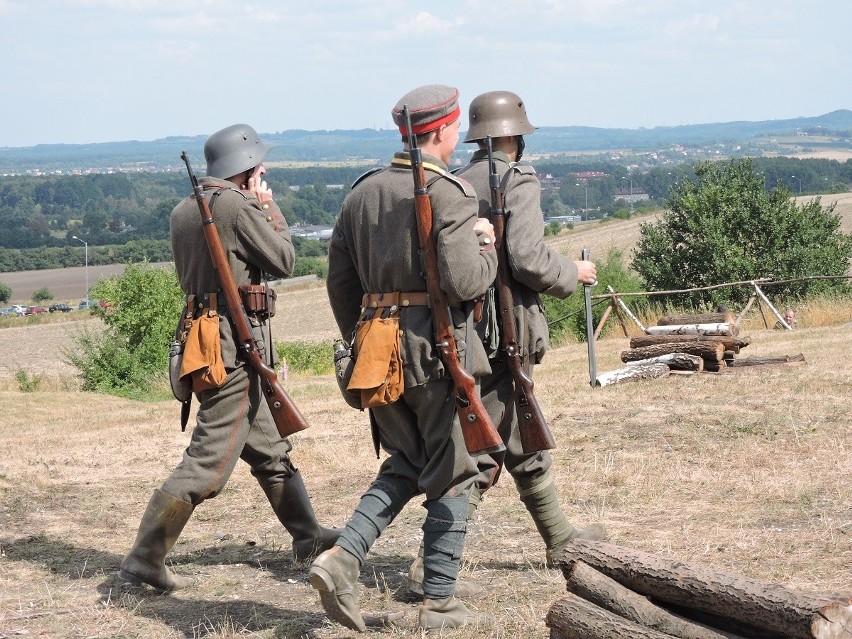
(833, 128)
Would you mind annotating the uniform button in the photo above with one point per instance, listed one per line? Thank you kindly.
(268, 218)
(405, 302)
(265, 206)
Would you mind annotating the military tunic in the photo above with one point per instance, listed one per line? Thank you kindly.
(233, 421)
(535, 269)
(375, 249)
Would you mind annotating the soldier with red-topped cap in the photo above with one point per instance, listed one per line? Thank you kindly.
(375, 270)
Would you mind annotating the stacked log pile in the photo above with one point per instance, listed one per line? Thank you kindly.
(619, 593)
(680, 344)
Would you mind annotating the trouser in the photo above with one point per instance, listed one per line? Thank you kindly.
(233, 422)
(497, 391)
(426, 455)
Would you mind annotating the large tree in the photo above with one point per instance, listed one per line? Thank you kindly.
(725, 227)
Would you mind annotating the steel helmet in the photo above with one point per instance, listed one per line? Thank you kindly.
(233, 150)
(498, 114)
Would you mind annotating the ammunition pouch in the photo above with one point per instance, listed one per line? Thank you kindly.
(258, 299)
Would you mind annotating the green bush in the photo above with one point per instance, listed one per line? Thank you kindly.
(567, 318)
(27, 383)
(311, 265)
(5, 293)
(143, 307)
(302, 357)
(727, 227)
(42, 295)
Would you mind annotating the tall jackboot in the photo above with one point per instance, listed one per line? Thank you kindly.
(293, 508)
(538, 494)
(160, 528)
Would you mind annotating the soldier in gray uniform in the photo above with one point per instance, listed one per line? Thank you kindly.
(233, 420)
(535, 269)
(375, 267)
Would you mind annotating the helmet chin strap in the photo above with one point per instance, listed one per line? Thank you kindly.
(521, 146)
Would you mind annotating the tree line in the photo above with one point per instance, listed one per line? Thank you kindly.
(124, 217)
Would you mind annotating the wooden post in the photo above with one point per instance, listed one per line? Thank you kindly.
(773, 309)
(604, 317)
(745, 309)
(626, 310)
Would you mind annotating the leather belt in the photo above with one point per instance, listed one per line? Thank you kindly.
(384, 300)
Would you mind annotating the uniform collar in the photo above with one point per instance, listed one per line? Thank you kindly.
(402, 158)
(482, 154)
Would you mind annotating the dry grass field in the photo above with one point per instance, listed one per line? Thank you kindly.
(745, 471)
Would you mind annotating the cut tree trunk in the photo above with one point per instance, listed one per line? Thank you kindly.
(595, 587)
(723, 328)
(763, 605)
(675, 361)
(574, 618)
(713, 366)
(763, 361)
(700, 318)
(633, 373)
(730, 342)
(706, 350)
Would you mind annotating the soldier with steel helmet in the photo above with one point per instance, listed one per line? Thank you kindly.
(233, 420)
(375, 272)
(535, 270)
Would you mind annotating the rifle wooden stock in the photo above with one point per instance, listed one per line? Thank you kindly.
(480, 435)
(532, 425)
(288, 418)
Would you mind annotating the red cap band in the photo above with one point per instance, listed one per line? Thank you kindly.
(431, 126)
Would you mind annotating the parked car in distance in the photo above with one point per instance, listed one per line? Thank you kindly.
(18, 309)
(7, 311)
(62, 308)
(35, 310)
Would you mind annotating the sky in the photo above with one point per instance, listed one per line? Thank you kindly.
(87, 71)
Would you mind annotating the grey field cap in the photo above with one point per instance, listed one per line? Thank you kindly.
(498, 114)
(234, 149)
(430, 107)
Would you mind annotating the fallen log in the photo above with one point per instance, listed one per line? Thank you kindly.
(575, 618)
(706, 350)
(633, 373)
(675, 361)
(714, 366)
(765, 360)
(764, 605)
(700, 318)
(595, 587)
(729, 341)
(723, 328)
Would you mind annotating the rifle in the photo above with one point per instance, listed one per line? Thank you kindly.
(480, 436)
(590, 327)
(532, 425)
(286, 414)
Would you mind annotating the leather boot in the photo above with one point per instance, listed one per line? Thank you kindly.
(335, 575)
(293, 508)
(160, 528)
(538, 493)
(464, 589)
(436, 614)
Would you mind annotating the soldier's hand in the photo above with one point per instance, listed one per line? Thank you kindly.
(257, 185)
(586, 272)
(484, 233)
